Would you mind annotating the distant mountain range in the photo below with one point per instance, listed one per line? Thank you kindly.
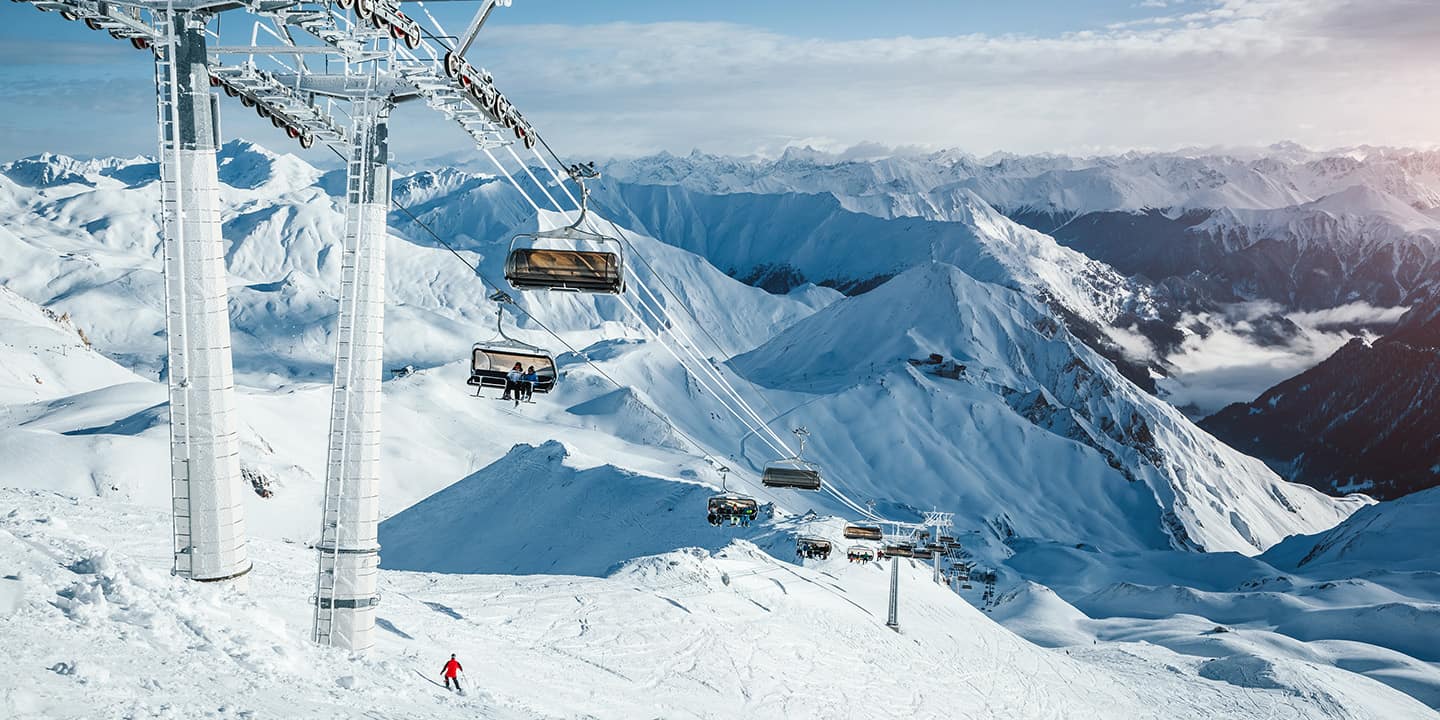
(1366, 419)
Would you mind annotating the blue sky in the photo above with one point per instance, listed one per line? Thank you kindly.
(746, 76)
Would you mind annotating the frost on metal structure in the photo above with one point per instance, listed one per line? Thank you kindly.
(349, 548)
(937, 521)
(207, 490)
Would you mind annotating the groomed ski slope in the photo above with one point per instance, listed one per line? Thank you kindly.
(95, 627)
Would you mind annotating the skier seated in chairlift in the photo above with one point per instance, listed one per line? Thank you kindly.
(512, 383)
(528, 381)
(713, 519)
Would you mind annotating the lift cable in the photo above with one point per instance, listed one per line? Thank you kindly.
(782, 448)
(490, 284)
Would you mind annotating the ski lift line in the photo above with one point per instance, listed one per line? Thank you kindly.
(537, 182)
(700, 381)
(694, 351)
(783, 449)
(531, 316)
(511, 178)
(645, 325)
(655, 300)
(643, 261)
(780, 449)
(828, 486)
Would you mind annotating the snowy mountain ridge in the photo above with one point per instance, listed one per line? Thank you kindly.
(1268, 178)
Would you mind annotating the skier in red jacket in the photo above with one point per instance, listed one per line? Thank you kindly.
(451, 668)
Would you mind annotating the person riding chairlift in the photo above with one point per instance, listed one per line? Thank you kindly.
(513, 379)
(528, 382)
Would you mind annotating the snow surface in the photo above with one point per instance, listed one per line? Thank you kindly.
(101, 631)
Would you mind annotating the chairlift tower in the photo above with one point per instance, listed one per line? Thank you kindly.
(892, 620)
(385, 57)
(207, 490)
(936, 521)
(349, 547)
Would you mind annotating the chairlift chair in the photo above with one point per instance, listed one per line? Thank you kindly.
(922, 553)
(565, 268)
(811, 546)
(793, 472)
(863, 532)
(729, 505)
(491, 361)
(899, 551)
(860, 553)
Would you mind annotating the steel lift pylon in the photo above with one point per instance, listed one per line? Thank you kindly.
(349, 546)
(207, 490)
(206, 485)
(385, 57)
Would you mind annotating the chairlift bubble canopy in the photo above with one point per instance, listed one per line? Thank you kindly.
(560, 260)
(490, 361)
(863, 532)
(798, 476)
(732, 505)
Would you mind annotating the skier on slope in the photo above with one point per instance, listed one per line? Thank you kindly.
(452, 668)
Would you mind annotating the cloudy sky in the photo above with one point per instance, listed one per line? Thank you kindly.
(745, 76)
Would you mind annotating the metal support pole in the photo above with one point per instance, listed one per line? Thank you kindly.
(349, 549)
(206, 486)
(893, 620)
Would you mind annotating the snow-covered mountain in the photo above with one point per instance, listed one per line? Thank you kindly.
(1365, 419)
(1251, 247)
(1025, 410)
(1267, 178)
(593, 496)
(1309, 230)
(1156, 481)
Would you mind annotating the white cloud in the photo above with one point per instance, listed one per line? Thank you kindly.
(1325, 73)
(1237, 72)
(1231, 364)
